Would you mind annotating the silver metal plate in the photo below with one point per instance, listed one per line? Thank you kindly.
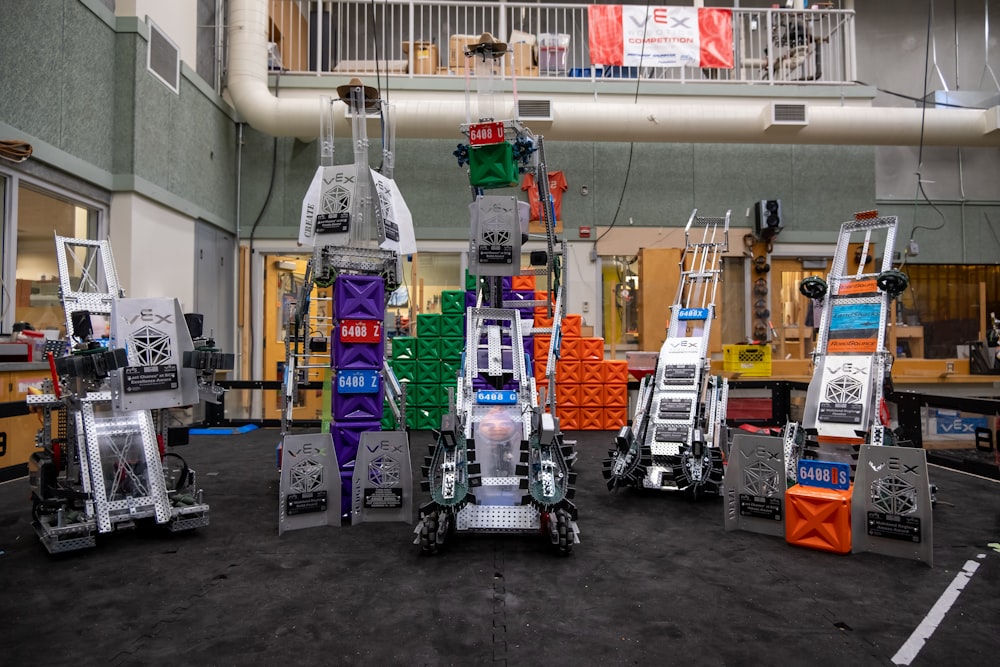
(492, 519)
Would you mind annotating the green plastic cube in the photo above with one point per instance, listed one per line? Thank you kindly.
(451, 349)
(428, 373)
(428, 325)
(405, 369)
(452, 302)
(404, 347)
(452, 326)
(428, 349)
(450, 368)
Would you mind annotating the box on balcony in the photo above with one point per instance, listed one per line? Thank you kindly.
(457, 45)
(425, 56)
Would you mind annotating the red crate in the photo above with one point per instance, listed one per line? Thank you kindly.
(615, 395)
(616, 371)
(615, 418)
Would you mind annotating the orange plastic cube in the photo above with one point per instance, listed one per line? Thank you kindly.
(541, 310)
(568, 394)
(615, 395)
(568, 372)
(591, 349)
(543, 321)
(616, 371)
(819, 518)
(542, 342)
(571, 326)
(591, 420)
(591, 396)
(522, 283)
(569, 418)
(591, 373)
(569, 349)
(615, 418)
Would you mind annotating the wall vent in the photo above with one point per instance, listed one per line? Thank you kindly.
(534, 109)
(163, 58)
(788, 113)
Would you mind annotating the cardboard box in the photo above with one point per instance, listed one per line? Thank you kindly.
(456, 49)
(524, 58)
(425, 56)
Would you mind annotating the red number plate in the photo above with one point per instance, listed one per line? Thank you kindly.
(360, 331)
(482, 134)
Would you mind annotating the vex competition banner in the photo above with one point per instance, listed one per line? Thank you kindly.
(634, 35)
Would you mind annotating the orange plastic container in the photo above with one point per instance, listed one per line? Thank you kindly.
(569, 349)
(542, 342)
(592, 396)
(542, 320)
(591, 420)
(522, 283)
(616, 371)
(592, 372)
(819, 518)
(591, 349)
(615, 418)
(541, 310)
(568, 394)
(568, 372)
(615, 395)
(571, 326)
(569, 418)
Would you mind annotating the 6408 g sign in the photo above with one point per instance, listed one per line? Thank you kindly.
(360, 331)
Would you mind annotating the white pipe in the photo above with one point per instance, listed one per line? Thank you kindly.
(655, 119)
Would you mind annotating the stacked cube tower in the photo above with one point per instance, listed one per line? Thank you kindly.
(356, 357)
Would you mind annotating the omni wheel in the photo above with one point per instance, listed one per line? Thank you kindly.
(563, 532)
(813, 287)
(892, 282)
(429, 534)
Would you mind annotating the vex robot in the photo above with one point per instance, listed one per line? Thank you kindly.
(102, 463)
(845, 403)
(678, 432)
(500, 463)
(356, 223)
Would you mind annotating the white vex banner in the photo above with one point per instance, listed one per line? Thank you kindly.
(642, 36)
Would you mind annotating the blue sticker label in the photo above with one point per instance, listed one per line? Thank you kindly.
(496, 397)
(825, 474)
(357, 382)
(693, 314)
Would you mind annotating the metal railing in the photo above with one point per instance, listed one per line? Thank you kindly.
(423, 38)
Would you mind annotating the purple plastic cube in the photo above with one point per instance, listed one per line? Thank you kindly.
(358, 298)
(351, 356)
(346, 437)
(357, 407)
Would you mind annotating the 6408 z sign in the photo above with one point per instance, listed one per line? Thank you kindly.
(360, 331)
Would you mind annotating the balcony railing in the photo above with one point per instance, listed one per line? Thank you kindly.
(427, 39)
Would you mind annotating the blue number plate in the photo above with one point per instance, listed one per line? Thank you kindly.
(692, 314)
(496, 397)
(825, 474)
(357, 382)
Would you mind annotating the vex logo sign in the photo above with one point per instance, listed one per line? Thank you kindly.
(385, 446)
(148, 316)
(662, 16)
(307, 449)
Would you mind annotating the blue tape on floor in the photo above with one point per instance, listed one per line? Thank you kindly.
(219, 430)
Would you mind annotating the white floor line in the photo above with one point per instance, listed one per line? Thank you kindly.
(907, 653)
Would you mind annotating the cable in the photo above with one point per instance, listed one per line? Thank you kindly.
(631, 146)
(15, 151)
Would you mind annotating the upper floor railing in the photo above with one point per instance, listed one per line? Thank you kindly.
(424, 38)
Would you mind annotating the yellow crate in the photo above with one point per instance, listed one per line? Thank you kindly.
(747, 360)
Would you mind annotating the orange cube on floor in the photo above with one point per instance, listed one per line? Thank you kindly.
(591, 396)
(569, 349)
(591, 420)
(571, 326)
(569, 418)
(615, 395)
(591, 373)
(819, 518)
(523, 283)
(568, 394)
(615, 418)
(568, 372)
(616, 371)
(590, 349)
(542, 343)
